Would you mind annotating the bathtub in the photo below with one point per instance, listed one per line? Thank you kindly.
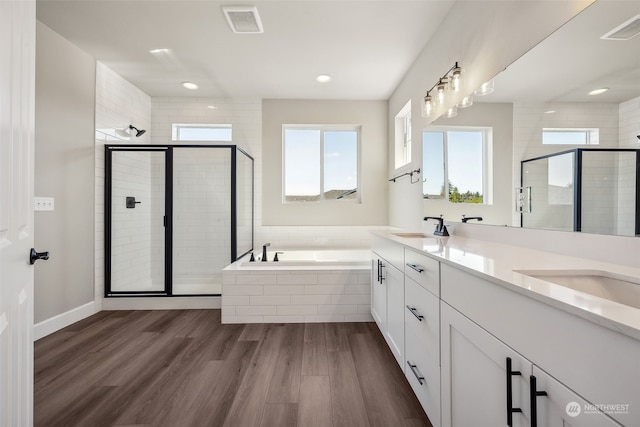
(304, 286)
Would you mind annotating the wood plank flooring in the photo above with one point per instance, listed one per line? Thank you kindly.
(183, 368)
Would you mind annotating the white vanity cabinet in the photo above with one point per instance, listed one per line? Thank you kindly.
(572, 361)
(387, 294)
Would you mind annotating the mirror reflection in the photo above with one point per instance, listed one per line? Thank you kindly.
(555, 145)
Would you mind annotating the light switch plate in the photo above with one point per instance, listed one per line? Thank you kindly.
(43, 204)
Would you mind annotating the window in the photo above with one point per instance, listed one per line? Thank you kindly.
(456, 164)
(320, 163)
(206, 132)
(570, 136)
(403, 136)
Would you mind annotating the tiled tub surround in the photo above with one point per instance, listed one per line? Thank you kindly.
(306, 286)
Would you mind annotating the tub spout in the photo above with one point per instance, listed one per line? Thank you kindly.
(264, 251)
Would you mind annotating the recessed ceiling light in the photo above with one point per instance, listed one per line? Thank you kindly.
(550, 111)
(212, 107)
(189, 85)
(161, 50)
(598, 91)
(323, 78)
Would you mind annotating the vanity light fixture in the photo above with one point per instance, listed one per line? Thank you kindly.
(450, 80)
(485, 89)
(189, 85)
(598, 91)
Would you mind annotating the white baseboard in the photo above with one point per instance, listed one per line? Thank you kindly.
(49, 326)
(158, 303)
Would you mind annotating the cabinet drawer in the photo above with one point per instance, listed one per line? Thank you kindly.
(424, 270)
(422, 317)
(420, 365)
(391, 251)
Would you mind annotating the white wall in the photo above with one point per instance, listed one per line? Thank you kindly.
(484, 37)
(65, 87)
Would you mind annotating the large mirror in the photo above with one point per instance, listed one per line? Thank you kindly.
(540, 151)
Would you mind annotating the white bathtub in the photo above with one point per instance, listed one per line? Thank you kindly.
(304, 286)
(311, 258)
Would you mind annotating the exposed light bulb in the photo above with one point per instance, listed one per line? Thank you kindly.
(467, 101)
(485, 89)
(455, 78)
(451, 112)
(442, 86)
(427, 109)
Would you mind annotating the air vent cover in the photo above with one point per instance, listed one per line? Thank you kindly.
(243, 19)
(625, 31)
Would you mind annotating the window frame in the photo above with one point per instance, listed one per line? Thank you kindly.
(176, 128)
(487, 161)
(322, 128)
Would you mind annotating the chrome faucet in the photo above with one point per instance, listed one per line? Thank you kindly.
(468, 218)
(264, 252)
(441, 229)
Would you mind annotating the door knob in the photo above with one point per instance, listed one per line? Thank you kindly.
(34, 256)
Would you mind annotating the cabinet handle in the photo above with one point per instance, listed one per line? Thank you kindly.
(380, 275)
(510, 408)
(415, 313)
(416, 267)
(414, 369)
(533, 396)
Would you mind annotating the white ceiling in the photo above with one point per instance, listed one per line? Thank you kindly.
(574, 60)
(366, 46)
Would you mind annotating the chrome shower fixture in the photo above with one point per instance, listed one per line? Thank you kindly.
(139, 132)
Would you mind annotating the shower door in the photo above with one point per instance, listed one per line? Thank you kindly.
(550, 180)
(136, 202)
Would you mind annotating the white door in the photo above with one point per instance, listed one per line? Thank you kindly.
(395, 311)
(17, 68)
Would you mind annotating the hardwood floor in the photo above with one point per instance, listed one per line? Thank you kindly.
(183, 368)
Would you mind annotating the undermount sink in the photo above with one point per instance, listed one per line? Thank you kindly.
(614, 287)
(411, 235)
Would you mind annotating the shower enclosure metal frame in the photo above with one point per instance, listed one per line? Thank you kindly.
(168, 212)
(577, 179)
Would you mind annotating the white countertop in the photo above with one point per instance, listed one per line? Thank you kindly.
(496, 262)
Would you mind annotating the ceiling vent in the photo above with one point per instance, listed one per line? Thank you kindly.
(625, 31)
(243, 19)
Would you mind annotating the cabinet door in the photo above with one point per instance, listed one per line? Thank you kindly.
(378, 294)
(394, 279)
(557, 406)
(476, 387)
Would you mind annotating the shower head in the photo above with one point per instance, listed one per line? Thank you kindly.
(139, 132)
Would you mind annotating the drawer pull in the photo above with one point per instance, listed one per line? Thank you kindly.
(415, 313)
(510, 408)
(416, 267)
(380, 272)
(414, 369)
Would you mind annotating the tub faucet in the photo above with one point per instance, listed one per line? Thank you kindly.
(441, 229)
(264, 252)
(468, 218)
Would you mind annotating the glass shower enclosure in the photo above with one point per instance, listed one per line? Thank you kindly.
(588, 190)
(175, 216)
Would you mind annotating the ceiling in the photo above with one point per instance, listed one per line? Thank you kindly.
(366, 46)
(574, 60)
